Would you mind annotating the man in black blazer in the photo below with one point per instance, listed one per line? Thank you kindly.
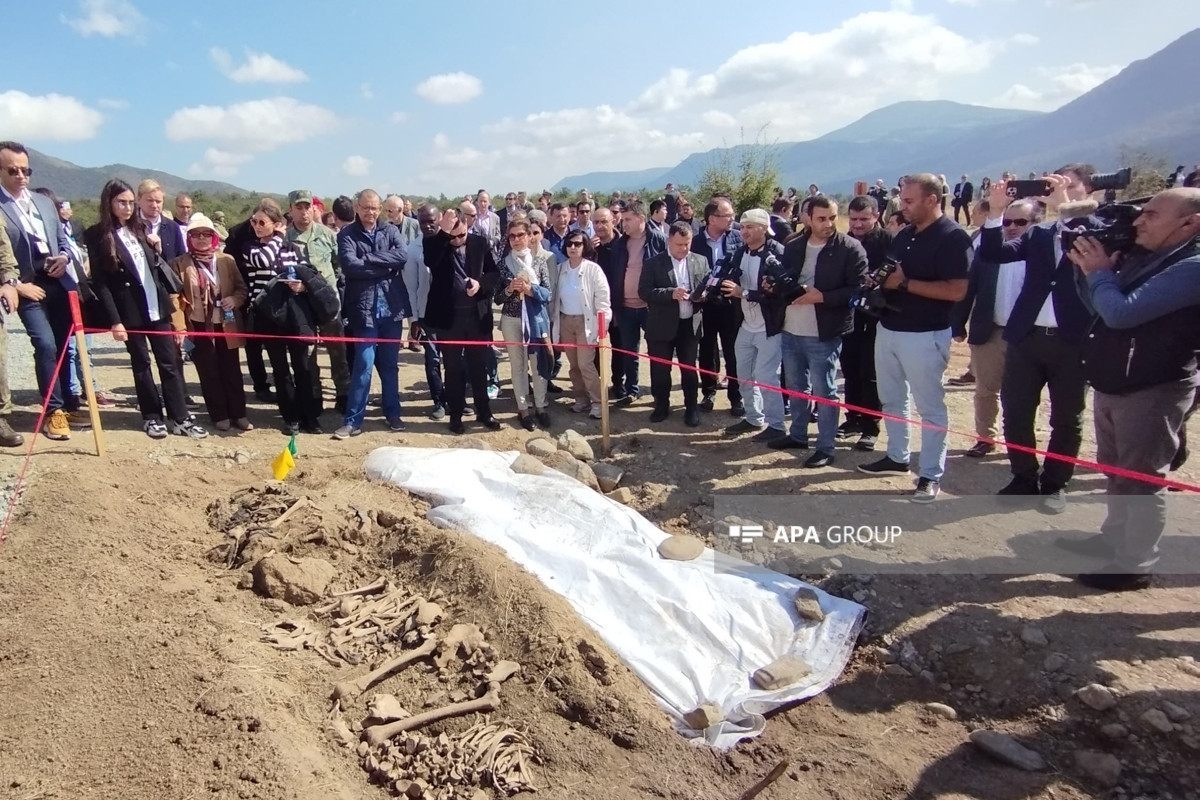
(964, 193)
(462, 279)
(1044, 334)
(671, 284)
(992, 291)
(163, 235)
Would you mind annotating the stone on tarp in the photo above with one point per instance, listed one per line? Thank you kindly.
(568, 465)
(681, 547)
(781, 673)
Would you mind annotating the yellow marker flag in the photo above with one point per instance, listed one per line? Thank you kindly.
(284, 462)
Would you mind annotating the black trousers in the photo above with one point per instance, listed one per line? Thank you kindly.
(965, 208)
(220, 370)
(465, 363)
(294, 384)
(683, 349)
(256, 366)
(721, 323)
(858, 372)
(1043, 359)
(166, 356)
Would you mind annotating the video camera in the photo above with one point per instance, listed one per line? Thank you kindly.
(778, 282)
(1115, 233)
(711, 291)
(870, 297)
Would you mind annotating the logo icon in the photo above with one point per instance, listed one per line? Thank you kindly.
(747, 533)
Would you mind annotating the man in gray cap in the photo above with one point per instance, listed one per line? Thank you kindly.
(317, 244)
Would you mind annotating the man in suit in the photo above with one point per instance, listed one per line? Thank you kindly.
(671, 284)
(992, 291)
(164, 235)
(487, 224)
(10, 275)
(393, 207)
(46, 274)
(964, 193)
(717, 242)
(1044, 334)
(510, 210)
(462, 280)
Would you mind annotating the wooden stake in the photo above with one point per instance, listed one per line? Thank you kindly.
(772, 776)
(605, 379)
(86, 364)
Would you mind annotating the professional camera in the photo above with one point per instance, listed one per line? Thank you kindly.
(1111, 181)
(777, 281)
(711, 292)
(1115, 231)
(870, 297)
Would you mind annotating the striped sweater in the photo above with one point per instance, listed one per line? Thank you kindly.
(269, 260)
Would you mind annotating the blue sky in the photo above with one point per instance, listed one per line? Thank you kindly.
(404, 97)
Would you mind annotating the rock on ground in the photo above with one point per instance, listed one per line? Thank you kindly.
(572, 441)
(1097, 697)
(1103, 768)
(1034, 636)
(565, 463)
(1003, 747)
(525, 464)
(1158, 721)
(624, 495)
(609, 475)
(941, 710)
(300, 582)
(704, 717)
(540, 447)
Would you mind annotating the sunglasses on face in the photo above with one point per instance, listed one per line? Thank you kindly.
(15, 171)
(454, 237)
(1021, 223)
(574, 243)
(200, 234)
(512, 236)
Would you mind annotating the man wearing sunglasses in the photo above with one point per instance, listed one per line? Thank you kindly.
(992, 291)
(46, 273)
(1044, 333)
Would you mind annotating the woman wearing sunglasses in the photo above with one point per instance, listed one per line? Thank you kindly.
(212, 300)
(580, 296)
(137, 293)
(524, 293)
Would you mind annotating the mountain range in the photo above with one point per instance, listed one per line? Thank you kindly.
(1153, 106)
(71, 181)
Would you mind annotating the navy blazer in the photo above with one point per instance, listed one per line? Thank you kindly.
(22, 244)
(1043, 278)
(173, 245)
(975, 315)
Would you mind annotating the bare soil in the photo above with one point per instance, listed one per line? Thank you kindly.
(131, 664)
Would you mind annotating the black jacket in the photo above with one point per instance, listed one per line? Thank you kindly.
(280, 310)
(121, 298)
(841, 266)
(481, 265)
(656, 285)
(1163, 350)
(783, 229)
(975, 315)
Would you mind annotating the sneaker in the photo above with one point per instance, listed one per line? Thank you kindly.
(848, 428)
(884, 466)
(787, 443)
(9, 437)
(926, 491)
(706, 404)
(818, 459)
(1095, 546)
(79, 419)
(553, 388)
(104, 401)
(188, 428)
(493, 392)
(594, 412)
(396, 425)
(767, 435)
(313, 429)
(1019, 487)
(155, 429)
(615, 393)
(57, 427)
(980, 449)
(243, 424)
(737, 410)
(543, 418)
(1054, 501)
(739, 428)
(438, 414)
(581, 406)
(1109, 580)
(346, 431)
(291, 428)
(866, 443)
(966, 379)
(468, 411)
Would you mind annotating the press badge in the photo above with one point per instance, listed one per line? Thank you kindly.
(40, 248)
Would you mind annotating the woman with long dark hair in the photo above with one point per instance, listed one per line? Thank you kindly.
(137, 293)
(580, 294)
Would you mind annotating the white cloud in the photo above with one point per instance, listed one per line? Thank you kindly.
(1058, 86)
(366, 91)
(454, 87)
(49, 117)
(1025, 39)
(108, 18)
(398, 118)
(219, 164)
(356, 165)
(116, 104)
(244, 130)
(718, 119)
(258, 68)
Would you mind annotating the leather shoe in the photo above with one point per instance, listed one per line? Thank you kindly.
(706, 404)
(456, 425)
(9, 437)
(1114, 581)
(737, 409)
(491, 423)
(819, 459)
(691, 417)
(786, 443)
(659, 414)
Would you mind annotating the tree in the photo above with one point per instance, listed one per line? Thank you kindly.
(1149, 172)
(748, 173)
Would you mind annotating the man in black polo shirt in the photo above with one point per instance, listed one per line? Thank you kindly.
(912, 345)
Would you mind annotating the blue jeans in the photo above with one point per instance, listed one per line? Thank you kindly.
(367, 357)
(914, 362)
(759, 358)
(810, 367)
(75, 363)
(48, 323)
(433, 369)
(632, 324)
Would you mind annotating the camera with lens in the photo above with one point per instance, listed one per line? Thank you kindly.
(1112, 228)
(711, 292)
(777, 281)
(870, 298)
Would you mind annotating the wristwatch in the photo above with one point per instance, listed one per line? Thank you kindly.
(903, 286)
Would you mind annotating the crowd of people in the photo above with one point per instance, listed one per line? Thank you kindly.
(774, 298)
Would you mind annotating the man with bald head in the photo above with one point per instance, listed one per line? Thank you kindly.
(393, 208)
(1140, 358)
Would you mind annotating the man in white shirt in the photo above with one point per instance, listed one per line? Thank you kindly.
(992, 292)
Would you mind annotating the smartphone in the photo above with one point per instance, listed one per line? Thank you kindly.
(1019, 189)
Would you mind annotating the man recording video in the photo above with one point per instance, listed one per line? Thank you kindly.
(1140, 357)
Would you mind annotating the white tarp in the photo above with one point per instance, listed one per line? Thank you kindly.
(693, 635)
